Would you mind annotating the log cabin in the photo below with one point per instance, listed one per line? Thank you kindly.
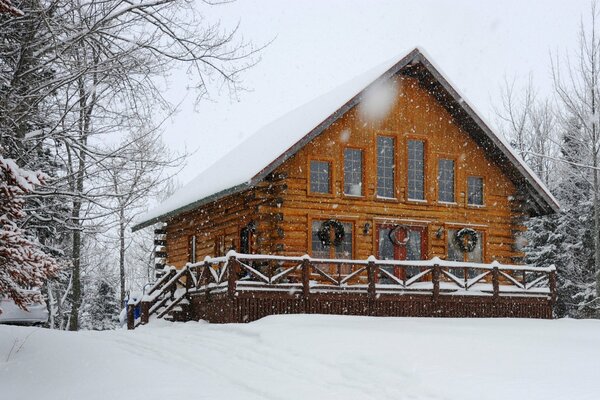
(387, 196)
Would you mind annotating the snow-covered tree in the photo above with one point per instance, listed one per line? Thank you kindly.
(23, 264)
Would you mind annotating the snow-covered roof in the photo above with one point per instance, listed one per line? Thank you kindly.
(262, 152)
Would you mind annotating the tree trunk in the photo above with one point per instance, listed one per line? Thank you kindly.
(122, 252)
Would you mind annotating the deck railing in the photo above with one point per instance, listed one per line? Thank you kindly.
(306, 275)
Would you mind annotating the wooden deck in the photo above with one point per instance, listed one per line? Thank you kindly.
(246, 287)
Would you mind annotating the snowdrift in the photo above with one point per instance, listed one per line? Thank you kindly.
(308, 357)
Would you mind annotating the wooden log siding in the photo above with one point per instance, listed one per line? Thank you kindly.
(416, 115)
(282, 209)
(238, 282)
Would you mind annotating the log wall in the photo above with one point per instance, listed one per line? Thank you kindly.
(283, 207)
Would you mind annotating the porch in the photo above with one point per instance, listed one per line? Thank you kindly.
(246, 287)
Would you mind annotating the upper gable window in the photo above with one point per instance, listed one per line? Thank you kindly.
(416, 170)
(385, 167)
(475, 190)
(353, 171)
(446, 180)
(320, 176)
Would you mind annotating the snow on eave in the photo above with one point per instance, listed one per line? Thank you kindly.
(328, 108)
(312, 117)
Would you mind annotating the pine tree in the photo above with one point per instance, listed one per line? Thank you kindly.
(102, 309)
(23, 265)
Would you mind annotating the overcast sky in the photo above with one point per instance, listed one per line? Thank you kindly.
(318, 45)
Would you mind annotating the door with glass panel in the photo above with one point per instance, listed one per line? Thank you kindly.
(401, 242)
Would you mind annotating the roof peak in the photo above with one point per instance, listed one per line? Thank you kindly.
(290, 132)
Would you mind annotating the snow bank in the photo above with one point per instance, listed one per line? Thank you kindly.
(308, 357)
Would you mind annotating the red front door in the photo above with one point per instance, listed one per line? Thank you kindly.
(401, 242)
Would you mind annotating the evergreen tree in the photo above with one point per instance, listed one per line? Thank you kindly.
(101, 308)
(23, 265)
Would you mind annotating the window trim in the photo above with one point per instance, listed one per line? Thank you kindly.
(425, 169)
(483, 194)
(437, 187)
(395, 157)
(362, 175)
(331, 162)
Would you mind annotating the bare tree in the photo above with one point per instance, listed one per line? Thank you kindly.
(576, 83)
(81, 73)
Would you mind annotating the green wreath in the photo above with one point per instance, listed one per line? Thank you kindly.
(466, 240)
(393, 235)
(324, 233)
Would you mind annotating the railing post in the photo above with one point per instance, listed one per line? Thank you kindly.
(188, 280)
(173, 287)
(435, 278)
(130, 316)
(496, 282)
(144, 312)
(306, 278)
(371, 289)
(234, 270)
(552, 284)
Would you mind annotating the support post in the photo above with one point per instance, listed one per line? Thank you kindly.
(371, 289)
(130, 317)
(234, 270)
(552, 284)
(435, 278)
(496, 282)
(144, 312)
(305, 278)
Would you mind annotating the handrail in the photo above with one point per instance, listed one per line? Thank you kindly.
(242, 272)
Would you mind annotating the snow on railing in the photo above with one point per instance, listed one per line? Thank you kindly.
(237, 272)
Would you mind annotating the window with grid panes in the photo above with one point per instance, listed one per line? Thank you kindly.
(416, 170)
(343, 250)
(385, 167)
(320, 176)
(353, 160)
(446, 180)
(475, 190)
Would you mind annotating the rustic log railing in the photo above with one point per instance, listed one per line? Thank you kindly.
(304, 276)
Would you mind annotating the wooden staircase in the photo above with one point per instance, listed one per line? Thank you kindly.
(167, 298)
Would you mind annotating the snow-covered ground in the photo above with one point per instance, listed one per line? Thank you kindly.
(308, 357)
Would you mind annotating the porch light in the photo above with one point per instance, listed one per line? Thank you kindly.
(367, 228)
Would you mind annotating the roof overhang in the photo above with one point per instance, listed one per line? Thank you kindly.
(416, 65)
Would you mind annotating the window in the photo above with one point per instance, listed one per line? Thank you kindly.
(320, 176)
(353, 160)
(446, 180)
(385, 167)
(343, 250)
(475, 190)
(455, 253)
(416, 170)
(220, 249)
(247, 238)
(192, 249)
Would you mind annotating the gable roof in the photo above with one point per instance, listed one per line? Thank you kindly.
(261, 153)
